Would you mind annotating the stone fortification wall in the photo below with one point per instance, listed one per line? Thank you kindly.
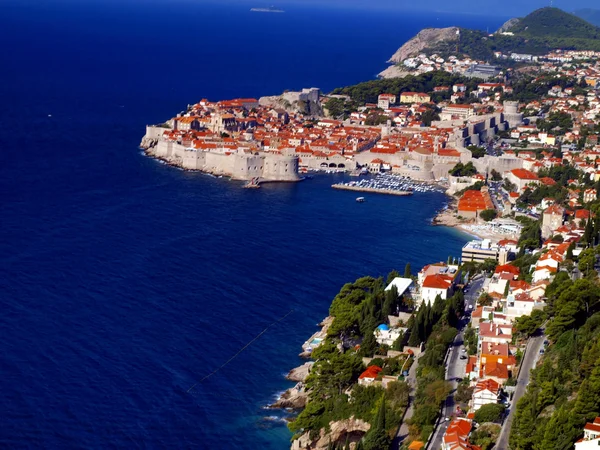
(280, 168)
(152, 136)
(239, 166)
(500, 164)
(441, 170)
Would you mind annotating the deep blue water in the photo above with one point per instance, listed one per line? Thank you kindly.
(122, 281)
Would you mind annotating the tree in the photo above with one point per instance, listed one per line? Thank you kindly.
(407, 271)
(485, 299)
(368, 345)
(476, 151)
(393, 274)
(463, 170)
(488, 265)
(488, 214)
(492, 412)
(528, 325)
(463, 393)
(377, 437)
(509, 186)
(587, 261)
(496, 176)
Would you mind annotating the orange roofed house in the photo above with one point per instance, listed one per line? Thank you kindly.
(591, 436)
(522, 178)
(485, 392)
(437, 279)
(456, 436)
(368, 376)
(472, 203)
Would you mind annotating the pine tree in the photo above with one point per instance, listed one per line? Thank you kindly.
(589, 230)
(377, 437)
(438, 307)
(407, 271)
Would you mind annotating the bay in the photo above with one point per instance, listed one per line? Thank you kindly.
(123, 281)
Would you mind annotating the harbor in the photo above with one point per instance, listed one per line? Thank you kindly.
(387, 184)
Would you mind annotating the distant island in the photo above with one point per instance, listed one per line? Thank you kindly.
(270, 9)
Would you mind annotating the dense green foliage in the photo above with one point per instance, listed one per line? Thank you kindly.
(555, 23)
(477, 151)
(488, 214)
(340, 107)
(556, 122)
(485, 436)
(564, 391)
(463, 170)
(492, 412)
(541, 31)
(357, 309)
(368, 91)
(531, 235)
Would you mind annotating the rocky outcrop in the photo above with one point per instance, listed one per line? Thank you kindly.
(394, 71)
(148, 142)
(425, 39)
(305, 102)
(351, 429)
(508, 25)
(294, 398)
(300, 373)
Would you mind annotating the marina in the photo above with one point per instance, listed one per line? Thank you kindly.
(387, 184)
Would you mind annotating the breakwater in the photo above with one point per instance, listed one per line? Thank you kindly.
(349, 187)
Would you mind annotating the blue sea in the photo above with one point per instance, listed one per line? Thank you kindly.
(123, 282)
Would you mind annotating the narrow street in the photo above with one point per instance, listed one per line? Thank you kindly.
(529, 361)
(455, 367)
(411, 379)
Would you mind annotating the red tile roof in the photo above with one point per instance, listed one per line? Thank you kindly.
(371, 372)
(524, 174)
(437, 281)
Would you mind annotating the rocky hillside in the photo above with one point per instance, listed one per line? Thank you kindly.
(508, 25)
(423, 41)
(538, 33)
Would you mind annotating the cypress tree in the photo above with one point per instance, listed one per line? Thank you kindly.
(407, 271)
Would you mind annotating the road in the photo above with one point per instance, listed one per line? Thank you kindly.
(529, 361)
(455, 367)
(411, 379)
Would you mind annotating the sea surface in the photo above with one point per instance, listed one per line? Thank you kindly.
(124, 282)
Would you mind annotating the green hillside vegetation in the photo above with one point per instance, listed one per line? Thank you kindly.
(368, 91)
(564, 390)
(357, 309)
(538, 33)
(554, 22)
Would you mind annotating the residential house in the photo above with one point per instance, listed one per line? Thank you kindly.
(552, 219)
(485, 393)
(369, 376)
(522, 178)
(591, 436)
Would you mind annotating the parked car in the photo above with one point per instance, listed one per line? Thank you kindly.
(463, 357)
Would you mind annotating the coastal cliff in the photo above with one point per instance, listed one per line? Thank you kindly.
(425, 39)
(350, 430)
